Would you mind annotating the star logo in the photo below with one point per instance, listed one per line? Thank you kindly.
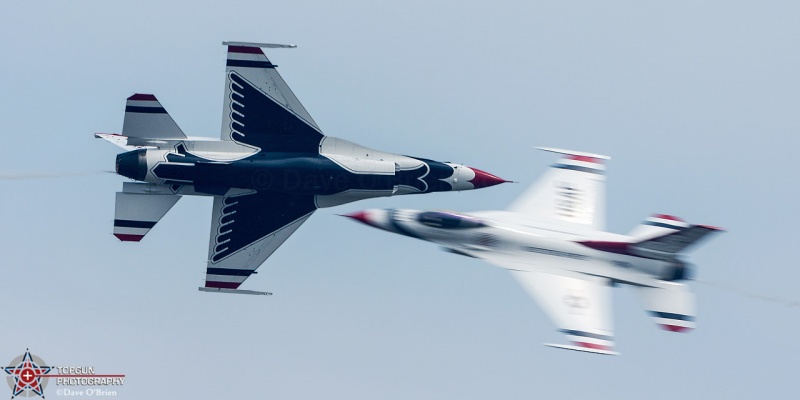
(26, 373)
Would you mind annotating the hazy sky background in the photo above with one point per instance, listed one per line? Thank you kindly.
(696, 102)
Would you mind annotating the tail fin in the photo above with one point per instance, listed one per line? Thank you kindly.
(663, 236)
(146, 118)
(139, 207)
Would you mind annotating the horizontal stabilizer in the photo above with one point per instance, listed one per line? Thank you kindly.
(584, 349)
(672, 308)
(146, 118)
(657, 225)
(116, 139)
(137, 213)
(677, 241)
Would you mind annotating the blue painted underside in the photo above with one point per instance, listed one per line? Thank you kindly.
(229, 271)
(250, 64)
(259, 121)
(146, 110)
(249, 218)
(297, 173)
(426, 179)
(289, 173)
(126, 223)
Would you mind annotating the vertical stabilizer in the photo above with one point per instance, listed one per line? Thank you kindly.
(146, 118)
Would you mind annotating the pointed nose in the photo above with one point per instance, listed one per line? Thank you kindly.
(360, 216)
(373, 217)
(484, 179)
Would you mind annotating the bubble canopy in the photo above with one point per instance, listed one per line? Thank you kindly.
(448, 220)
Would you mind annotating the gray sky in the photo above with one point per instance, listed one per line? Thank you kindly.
(696, 102)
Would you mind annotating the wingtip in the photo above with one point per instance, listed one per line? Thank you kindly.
(574, 153)
(582, 349)
(233, 291)
(128, 237)
(676, 328)
(143, 97)
(260, 45)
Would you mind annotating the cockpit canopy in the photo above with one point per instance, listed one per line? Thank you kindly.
(446, 220)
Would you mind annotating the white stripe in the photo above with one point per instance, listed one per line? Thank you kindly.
(674, 322)
(225, 278)
(143, 103)
(247, 57)
(124, 230)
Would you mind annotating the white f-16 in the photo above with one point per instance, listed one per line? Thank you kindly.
(553, 241)
(270, 170)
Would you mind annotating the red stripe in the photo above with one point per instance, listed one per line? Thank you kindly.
(140, 96)
(675, 328)
(222, 285)
(669, 217)
(128, 238)
(593, 346)
(245, 50)
(610, 247)
(584, 159)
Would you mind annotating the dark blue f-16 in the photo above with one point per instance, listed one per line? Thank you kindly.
(270, 170)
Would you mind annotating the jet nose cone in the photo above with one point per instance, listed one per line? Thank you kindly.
(374, 217)
(484, 179)
(360, 216)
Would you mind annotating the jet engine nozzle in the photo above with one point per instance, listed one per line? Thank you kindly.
(133, 164)
(679, 271)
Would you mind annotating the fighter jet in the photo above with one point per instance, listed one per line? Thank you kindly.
(270, 170)
(553, 241)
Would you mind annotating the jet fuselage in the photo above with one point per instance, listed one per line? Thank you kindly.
(371, 174)
(533, 246)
